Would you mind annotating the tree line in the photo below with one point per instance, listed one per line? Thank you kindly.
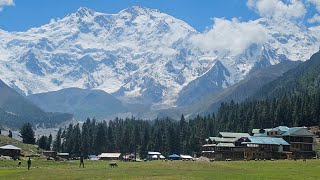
(187, 136)
(168, 136)
(132, 135)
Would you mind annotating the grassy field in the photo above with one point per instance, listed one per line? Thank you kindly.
(42, 169)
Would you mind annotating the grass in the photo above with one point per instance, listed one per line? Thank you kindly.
(27, 149)
(42, 169)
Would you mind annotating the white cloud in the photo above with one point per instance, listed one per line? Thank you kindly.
(231, 35)
(290, 9)
(314, 19)
(4, 3)
(316, 3)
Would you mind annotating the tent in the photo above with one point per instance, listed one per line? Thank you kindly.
(174, 157)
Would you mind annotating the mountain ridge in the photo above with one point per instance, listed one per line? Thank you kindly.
(139, 55)
(16, 110)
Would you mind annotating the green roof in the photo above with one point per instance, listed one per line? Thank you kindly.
(297, 131)
(234, 135)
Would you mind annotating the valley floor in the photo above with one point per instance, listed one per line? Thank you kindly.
(42, 169)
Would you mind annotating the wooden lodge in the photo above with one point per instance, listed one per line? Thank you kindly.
(302, 142)
(266, 148)
(225, 146)
(275, 143)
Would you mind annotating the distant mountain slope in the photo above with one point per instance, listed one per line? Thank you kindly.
(212, 81)
(243, 89)
(303, 79)
(82, 103)
(16, 110)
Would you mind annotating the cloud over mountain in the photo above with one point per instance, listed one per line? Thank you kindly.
(231, 35)
(291, 9)
(4, 3)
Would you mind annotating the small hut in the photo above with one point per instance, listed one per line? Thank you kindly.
(110, 156)
(154, 155)
(63, 155)
(10, 150)
(50, 154)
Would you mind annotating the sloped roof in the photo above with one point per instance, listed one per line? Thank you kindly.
(266, 140)
(10, 147)
(281, 128)
(219, 139)
(298, 131)
(186, 156)
(225, 145)
(234, 135)
(110, 155)
(154, 153)
(209, 145)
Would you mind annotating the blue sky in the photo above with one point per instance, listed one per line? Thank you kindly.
(25, 14)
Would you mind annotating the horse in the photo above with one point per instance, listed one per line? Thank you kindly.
(113, 164)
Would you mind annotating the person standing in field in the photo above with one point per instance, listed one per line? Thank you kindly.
(29, 164)
(81, 162)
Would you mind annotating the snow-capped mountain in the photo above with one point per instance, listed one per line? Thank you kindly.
(139, 54)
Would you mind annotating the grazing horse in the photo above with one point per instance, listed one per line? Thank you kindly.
(113, 164)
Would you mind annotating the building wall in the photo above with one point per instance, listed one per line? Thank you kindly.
(9, 152)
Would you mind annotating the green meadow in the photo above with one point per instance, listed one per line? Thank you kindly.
(42, 169)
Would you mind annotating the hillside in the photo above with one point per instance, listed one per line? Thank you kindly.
(245, 88)
(237, 92)
(16, 110)
(303, 79)
(82, 103)
(27, 149)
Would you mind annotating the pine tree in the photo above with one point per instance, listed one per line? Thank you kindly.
(76, 136)
(27, 134)
(42, 142)
(57, 142)
(49, 142)
(99, 141)
(85, 138)
(10, 134)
